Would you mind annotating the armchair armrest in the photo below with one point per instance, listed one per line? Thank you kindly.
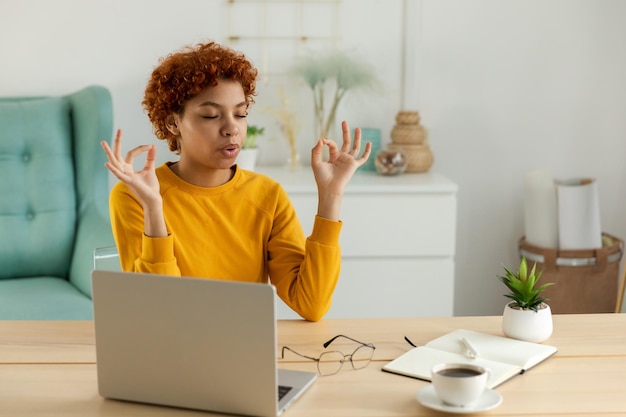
(94, 231)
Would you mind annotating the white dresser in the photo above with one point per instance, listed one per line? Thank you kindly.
(398, 242)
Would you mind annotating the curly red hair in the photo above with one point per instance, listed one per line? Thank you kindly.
(183, 74)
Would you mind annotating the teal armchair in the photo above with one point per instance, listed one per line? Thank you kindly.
(53, 202)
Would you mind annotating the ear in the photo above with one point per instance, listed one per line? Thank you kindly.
(172, 124)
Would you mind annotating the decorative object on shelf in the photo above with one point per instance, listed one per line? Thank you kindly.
(407, 117)
(527, 317)
(390, 162)
(249, 151)
(420, 157)
(374, 137)
(289, 127)
(332, 75)
(410, 137)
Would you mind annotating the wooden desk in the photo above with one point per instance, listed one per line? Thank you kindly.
(48, 368)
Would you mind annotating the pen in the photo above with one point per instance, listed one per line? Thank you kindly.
(472, 353)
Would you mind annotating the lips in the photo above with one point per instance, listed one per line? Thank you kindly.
(231, 150)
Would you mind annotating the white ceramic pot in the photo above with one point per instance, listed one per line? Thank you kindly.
(527, 325)
(247, 158)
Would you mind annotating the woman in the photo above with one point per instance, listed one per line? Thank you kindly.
(202, 216)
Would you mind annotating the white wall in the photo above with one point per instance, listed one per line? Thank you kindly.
(503, 86)
(511, 86)
(56, 47)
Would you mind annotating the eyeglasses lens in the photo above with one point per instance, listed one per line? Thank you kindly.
(330, 363)
(362, 357)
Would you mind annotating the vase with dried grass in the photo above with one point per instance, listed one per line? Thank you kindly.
(330, 76)
(289, 127)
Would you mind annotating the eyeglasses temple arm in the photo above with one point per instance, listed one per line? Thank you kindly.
(282, 354)
(348, 337)
(409, 341)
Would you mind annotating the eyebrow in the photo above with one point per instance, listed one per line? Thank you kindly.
(213, 104)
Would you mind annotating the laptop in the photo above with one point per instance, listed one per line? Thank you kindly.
(193, 343)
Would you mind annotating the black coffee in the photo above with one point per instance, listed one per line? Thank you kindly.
(459, 372)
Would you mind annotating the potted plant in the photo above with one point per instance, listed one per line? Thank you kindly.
(249, 151)
(252, 135)
(528, 317)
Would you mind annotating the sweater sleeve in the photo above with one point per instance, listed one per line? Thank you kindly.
(305, 273)
(138, 252)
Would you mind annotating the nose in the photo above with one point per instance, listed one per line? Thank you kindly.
(229, 128)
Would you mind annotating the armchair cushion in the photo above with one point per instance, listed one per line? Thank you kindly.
(42, 298)
(38, 204)
(53, 202)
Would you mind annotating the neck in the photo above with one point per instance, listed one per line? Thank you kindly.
(206, 177)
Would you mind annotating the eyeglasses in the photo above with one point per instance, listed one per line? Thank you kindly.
(329, 363)
(409, 341)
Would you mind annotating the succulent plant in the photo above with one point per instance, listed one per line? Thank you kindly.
(525, 291)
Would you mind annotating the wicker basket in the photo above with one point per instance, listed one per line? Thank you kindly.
(408, 134)
(420, 157)
(408, 118)
(586, 279)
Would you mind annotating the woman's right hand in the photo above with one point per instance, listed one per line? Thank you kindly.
(144, 184)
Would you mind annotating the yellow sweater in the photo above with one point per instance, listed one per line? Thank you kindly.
(244, 230)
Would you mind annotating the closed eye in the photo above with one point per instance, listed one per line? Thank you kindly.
(241, 116)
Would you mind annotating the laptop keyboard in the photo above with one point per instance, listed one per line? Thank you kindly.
(282, 391)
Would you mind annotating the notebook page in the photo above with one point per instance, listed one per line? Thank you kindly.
(418, 362)
(495, 348)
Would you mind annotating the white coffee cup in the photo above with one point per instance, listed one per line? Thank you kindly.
(459, 384)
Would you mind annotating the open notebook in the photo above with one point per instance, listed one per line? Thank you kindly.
(504, 357)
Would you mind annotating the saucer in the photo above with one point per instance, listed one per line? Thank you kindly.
(428, 398)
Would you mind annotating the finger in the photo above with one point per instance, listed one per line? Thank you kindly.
(119, 169)
(114, 170)
(356, 147)
(366, 154)
(135, 152)
(113, 161)
(150, 158)
(107, 149)
(117, 144)
(113, 155)
(345, 129)
(332, 146)
(316, 153)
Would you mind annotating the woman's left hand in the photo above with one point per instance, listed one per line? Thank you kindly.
(333, 176)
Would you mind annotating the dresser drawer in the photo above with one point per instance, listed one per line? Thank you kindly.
(390, 224)
(400, 287)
